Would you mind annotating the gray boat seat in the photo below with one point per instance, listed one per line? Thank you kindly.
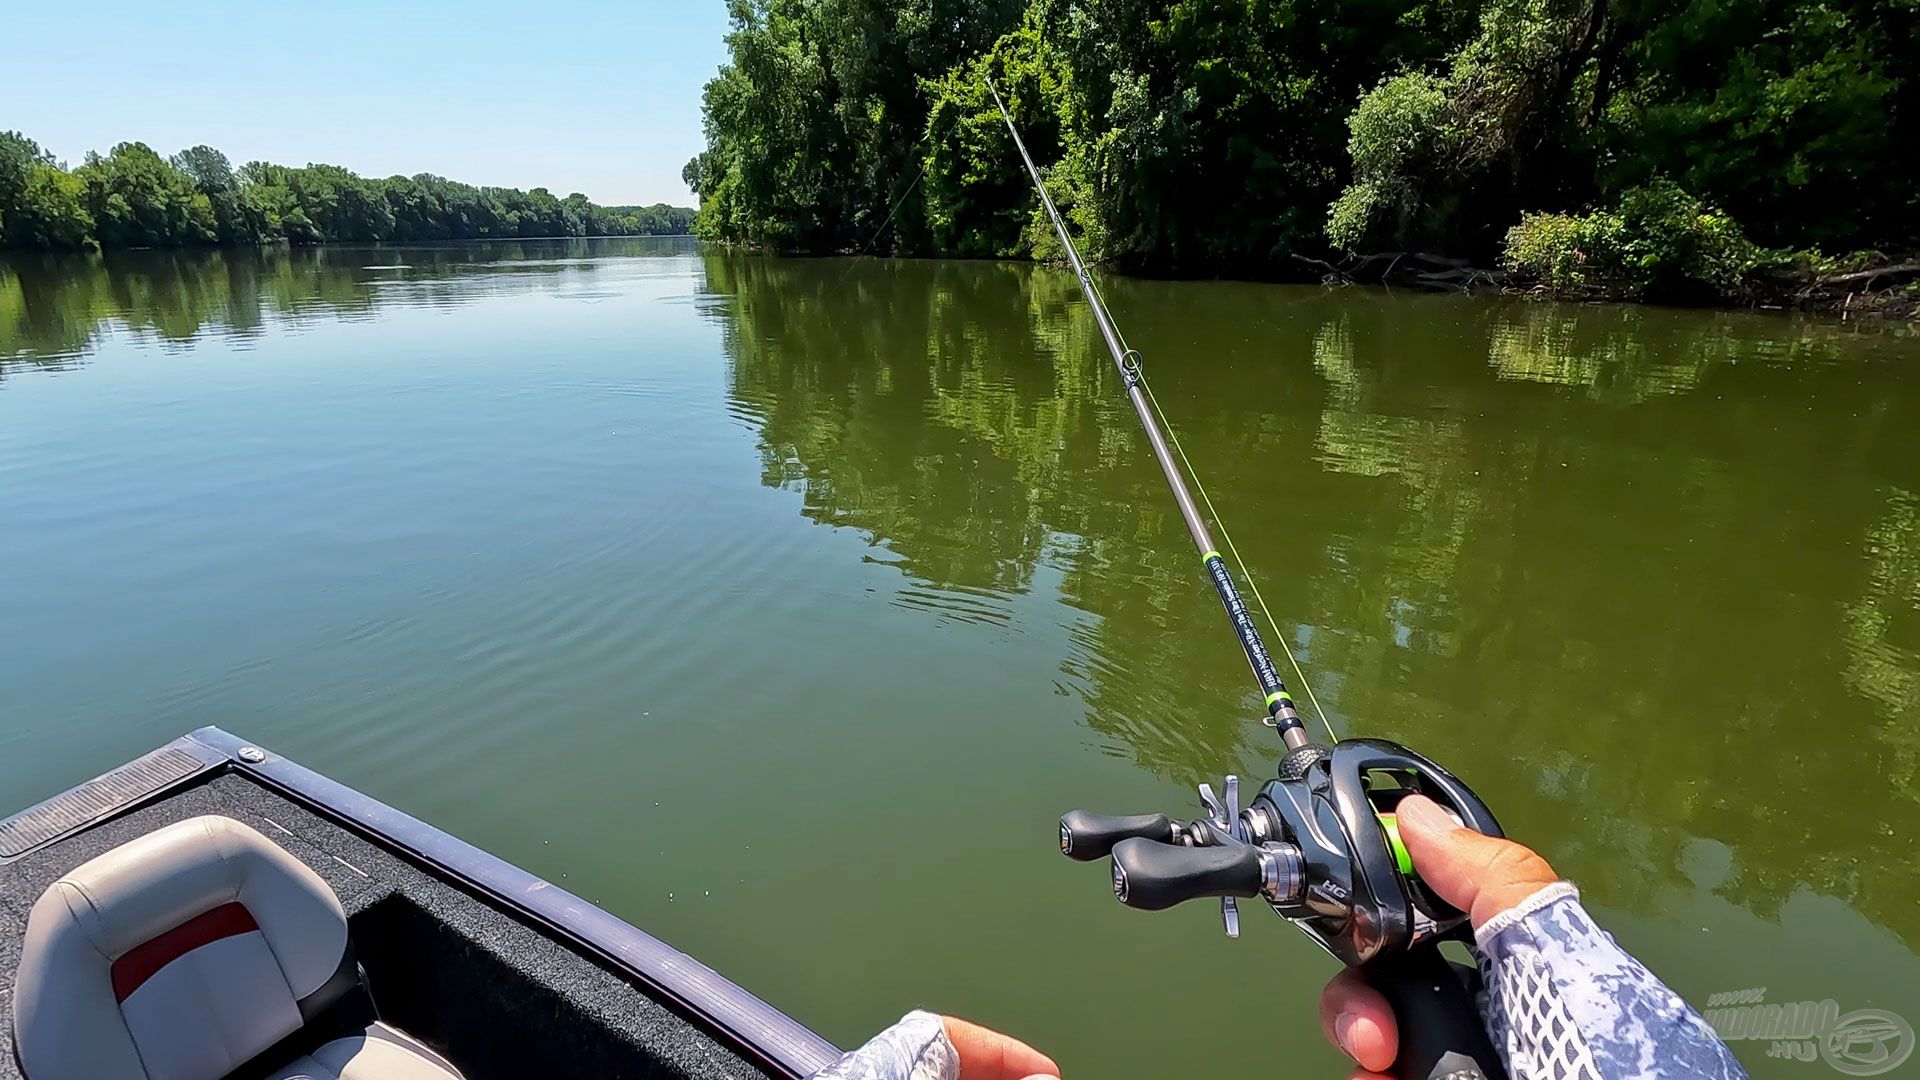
(185, 953)
(383, 1053)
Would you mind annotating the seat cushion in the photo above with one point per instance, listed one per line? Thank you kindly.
(384, 1052)
(176, 956)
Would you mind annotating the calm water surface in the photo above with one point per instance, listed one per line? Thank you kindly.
(781, 606)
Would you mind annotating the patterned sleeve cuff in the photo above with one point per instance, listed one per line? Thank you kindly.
(1565, 1002)
(916, 1048)
(1545, 895)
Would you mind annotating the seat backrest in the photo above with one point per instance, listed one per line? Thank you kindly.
(176, 956)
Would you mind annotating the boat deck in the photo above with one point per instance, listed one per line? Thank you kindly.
(498, 996)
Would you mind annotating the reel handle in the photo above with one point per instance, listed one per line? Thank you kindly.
(1154, 877)
(1085, 837)
(1441, 1036)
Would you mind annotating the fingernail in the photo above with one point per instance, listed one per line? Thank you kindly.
(1342, 1027)
(1425, 814)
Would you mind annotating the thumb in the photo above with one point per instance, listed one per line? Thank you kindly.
(1481, 875)
(985, 1054)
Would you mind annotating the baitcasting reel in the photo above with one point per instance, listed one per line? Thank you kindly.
(1319, 844)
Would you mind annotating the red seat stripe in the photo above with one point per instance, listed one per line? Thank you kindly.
(139, 965)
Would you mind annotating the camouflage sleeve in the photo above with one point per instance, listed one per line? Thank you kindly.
(916, 1048)
(1564, 1001)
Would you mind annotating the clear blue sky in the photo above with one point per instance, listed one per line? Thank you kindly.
(598, 97)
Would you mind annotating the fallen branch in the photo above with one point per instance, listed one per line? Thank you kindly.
(1322, 265)
(1413, 267)
(1868, 276)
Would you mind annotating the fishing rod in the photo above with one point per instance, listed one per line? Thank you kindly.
(1319, 843)
(1280, 708)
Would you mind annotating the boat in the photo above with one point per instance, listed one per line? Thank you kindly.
(214, 909)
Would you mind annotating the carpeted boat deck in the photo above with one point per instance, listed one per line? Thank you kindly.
(499, 998)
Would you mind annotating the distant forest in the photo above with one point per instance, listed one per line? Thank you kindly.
(133, 197)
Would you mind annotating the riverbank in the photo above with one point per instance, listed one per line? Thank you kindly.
(1872, 286)
(1732, 159)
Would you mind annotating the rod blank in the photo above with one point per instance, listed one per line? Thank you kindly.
(1279, 702)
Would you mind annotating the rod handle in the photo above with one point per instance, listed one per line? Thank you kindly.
(1441, 1035)
(1085, 837)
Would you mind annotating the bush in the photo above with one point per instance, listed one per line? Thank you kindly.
(1659, 243)
(1397, 135)
(1560, 251)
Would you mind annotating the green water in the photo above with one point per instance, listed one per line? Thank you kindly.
(781, 606)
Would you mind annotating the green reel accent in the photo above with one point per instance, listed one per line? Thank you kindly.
(1391, 823)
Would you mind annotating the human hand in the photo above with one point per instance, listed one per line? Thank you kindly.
(1480, 875)
(986, 1054)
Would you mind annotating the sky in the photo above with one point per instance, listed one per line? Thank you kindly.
(570, 95)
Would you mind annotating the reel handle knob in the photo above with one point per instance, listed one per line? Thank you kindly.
(1085, 837)
(1154, 877)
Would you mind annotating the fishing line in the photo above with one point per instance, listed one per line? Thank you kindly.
(1281, 711)
(894, 208)
(900, 199)
(1253, 584)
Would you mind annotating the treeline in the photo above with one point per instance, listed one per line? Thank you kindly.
(1670, 146)
(133, 197)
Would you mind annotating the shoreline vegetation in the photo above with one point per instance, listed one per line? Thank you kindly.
(131, 197)
(1740, 154)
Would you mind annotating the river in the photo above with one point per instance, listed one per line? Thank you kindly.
(780, 606)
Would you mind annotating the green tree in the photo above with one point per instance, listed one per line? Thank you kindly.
(1211, 135)
(814, 125)
(237, 217)
(41, 205)
(52, 214)
(18, 156)
(138, 200)
(1788, 113)
(978, 201)
(133, 198)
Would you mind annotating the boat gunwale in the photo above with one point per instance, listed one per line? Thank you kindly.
(742, 1020)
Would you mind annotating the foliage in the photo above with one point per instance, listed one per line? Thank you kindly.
(132, 197)
(19, 156)
(978, 200)
(1397, 137)
(1789, 113)
(1209, 135)
(1786, 112)
(1174, 130)
(814, 127)
(1658, 243)
(51, 213)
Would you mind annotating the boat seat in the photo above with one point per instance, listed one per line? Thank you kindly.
(185, 953)
(383, 1053)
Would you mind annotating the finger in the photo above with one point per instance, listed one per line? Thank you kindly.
(986, 1054)
(1355, 1018)
(1481, 875)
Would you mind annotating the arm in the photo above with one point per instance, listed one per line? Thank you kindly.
(916, 1048)
(924, 1046)
(1563, 1001)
